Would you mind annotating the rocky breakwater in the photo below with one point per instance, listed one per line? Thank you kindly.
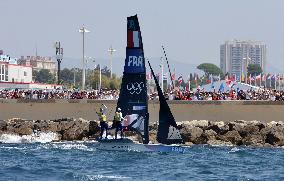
(65, 129)
(249, 133)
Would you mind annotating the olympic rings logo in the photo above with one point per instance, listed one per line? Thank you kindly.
(135, 88)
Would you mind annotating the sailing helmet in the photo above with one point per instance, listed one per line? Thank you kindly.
(118, 109)
(101, 109)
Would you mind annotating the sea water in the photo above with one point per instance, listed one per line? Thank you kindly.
(74, 161)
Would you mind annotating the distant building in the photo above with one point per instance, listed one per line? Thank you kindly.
(235, 56)
(38, 63)
(11, 72)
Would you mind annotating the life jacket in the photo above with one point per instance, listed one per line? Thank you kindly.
(102, 117)
(117, 116)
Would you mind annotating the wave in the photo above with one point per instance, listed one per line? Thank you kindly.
(67, 146)
(33, 138)
(112, 177)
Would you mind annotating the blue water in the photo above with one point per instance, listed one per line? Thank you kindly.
(82, 161)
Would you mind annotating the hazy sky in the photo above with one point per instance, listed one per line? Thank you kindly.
(191, 31)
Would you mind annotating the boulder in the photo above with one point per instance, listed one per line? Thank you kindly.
(249, 129)
(198, 123)
(219, 143)
(3, 125)
(192, 134)
(237, 125)
(219, 127)
(74, 130)
(231, 136)
(209, 135)
(275, 138)
(94, 127)
(21, 128)
(254, 140)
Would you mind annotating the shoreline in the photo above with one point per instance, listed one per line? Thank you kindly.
(195, 132)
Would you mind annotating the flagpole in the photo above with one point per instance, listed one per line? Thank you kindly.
(265, 80)
(254, 80)
(279, 81)
(249, 79)
(275, 81)
(270, 81)
(260, 81)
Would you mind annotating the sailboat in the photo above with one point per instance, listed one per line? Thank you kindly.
(133, 101)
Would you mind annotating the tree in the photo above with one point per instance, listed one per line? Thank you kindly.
(209, 68)
(67, 76)
(254, 69)
(44, 76)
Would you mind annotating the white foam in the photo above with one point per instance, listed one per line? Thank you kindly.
(235, 149)
(33, 138)
(99, 177)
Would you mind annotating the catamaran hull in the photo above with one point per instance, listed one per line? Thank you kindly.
(138, 147)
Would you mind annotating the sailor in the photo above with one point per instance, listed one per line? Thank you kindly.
(103, 123)
(117, 120)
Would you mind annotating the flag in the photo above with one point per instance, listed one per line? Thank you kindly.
(273, 76)
(173, 77)
(212, 81)
(222, 88)
(188, 87)
(180, 79)
(165, 77)
(233, 78)
(263, 77)
(133, 39)
(243, 77)
(158, 76)
(258, 77)
(268, 77)
(149, 76)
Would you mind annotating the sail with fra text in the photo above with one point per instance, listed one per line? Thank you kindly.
(133, 99)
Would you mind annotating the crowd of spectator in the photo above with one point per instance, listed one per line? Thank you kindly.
(260, 94)
(58, 94)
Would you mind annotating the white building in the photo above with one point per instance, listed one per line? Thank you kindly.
(235, 56)
(11, 72)
(38, 63)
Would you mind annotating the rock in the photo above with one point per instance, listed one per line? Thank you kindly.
(247, 130)
(198, 123)
(219, 143)
(259, 124)
(218, 127)
(254, 140)
(274, 123)
(94, 127)
(237, 125)
(74, 130)
(209, 134)
(3, 125)
(21, 128)
(192, 134)
(275, 138)
(231, 136)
